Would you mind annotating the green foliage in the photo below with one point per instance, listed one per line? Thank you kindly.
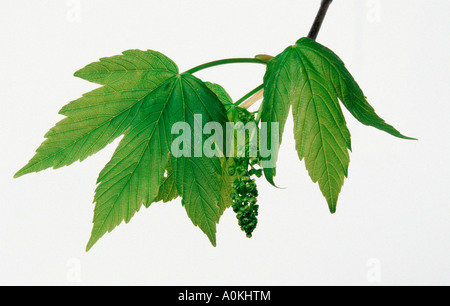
(312, 79)
(102, 115)
(136, 170)
(143, 95)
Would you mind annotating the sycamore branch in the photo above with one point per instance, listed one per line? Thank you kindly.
(319, 19)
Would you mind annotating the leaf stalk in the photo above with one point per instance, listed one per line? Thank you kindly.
(248, 96)
(224, 62)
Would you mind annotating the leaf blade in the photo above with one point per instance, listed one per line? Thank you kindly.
(278, 94)
(135, 172)
(197, 178)
(347, 89)
(129, 64)
(320, 131)
(167, 190)
(95, 120)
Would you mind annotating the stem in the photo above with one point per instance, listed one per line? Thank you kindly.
(224, 62)
(253, 99)
(251, 93)
(319, 19)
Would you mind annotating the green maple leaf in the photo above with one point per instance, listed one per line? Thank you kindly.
(142, 96)
(329, 65)
(102, 115)
(136, 171)
(312, 79)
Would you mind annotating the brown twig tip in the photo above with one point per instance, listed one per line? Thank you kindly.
(319, 19)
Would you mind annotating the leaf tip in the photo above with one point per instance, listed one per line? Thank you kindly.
(269, 174)
(91, 243)
(212, 239)
(332, 204)
(410, 138)
(78, 73)
(22, 172)
(397, 134)
(332, 209)
(95, 236)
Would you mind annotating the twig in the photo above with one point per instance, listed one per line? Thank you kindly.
(319, 19)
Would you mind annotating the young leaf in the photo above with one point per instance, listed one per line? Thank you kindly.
(103, 114)
(312, 79)
(331, 67)
(221, 94)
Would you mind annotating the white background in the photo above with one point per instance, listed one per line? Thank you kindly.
(392, 223)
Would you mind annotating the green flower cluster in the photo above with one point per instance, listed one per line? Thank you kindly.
(245, 191)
